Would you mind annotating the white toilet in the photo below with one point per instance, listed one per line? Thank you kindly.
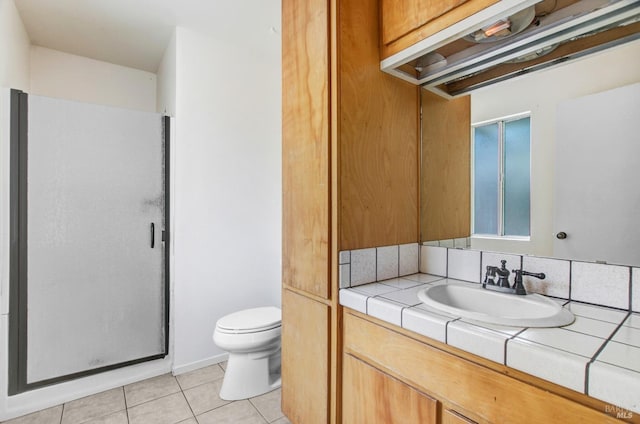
(252, 338)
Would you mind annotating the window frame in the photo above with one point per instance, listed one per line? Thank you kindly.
(501, 121)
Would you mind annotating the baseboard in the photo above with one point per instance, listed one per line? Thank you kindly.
(181, 369)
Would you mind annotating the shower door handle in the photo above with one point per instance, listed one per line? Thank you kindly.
(153, 235)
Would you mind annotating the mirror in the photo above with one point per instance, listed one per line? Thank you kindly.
(543, 95)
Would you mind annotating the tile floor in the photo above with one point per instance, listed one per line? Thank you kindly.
(190, 398)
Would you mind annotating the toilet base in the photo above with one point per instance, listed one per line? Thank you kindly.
(251, 374)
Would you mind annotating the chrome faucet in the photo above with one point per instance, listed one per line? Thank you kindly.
(503, 279)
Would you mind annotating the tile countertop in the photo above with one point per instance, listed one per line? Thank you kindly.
(598, 354)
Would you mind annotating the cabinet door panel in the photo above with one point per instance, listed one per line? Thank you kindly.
(370, 396)
(402, 16)
(305, 145)
(305, 359)
(445, 190)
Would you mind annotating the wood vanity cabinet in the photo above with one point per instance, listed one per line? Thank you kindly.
(388, 371)
(405, 22)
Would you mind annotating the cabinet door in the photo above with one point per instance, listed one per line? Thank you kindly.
(305, 146)
(305, 359)
(371, 396)
(445, 179)
(451, 417)
(402, 16)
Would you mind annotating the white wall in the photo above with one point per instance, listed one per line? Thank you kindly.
(540, 93)
(67, 76)
(14, 48)
(227, 236)
(166, 80)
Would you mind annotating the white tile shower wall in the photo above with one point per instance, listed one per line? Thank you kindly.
(600, 284)
(635, 285)
(556, 281)
(464, 265)
(433, 260)
(409, 258)
(386, 262)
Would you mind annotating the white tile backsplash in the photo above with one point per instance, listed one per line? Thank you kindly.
(463, 265)
(600, 284)
(345, 275)
(635, 285)
(363, 266)
(493, 259)
(447, 243)
(433, 260)
(409, 258)
(386, 262)
(557, 274)
(344, 257)
(461, 242)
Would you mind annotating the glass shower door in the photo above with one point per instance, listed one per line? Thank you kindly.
(95, 277)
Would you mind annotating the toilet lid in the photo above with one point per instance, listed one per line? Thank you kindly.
(251, 320)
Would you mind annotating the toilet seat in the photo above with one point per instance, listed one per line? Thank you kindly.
(250, 321)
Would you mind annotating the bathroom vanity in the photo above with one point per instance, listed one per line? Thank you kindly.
(392, 375)
(406, 362)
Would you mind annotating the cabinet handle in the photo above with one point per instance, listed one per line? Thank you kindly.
(153, 235)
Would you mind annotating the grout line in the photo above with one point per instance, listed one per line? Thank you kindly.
(599, 351)
(570, 279)
(511, 338)
(630, 288)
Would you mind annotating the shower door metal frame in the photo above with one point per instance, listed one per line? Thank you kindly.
(17, 372)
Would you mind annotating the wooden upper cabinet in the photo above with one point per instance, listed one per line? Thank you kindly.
(378, 144)
(405, 22)
(403, 16)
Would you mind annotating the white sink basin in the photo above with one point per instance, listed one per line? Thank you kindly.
(532, 310)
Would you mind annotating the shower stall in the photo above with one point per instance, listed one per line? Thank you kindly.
(89, 214)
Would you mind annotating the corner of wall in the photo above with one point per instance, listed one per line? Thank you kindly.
(166, 79)
(15, 65)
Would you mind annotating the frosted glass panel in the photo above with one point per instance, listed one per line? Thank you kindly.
(485, 168)
(95, 286)
(516, 194)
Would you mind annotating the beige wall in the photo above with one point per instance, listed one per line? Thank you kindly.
(14, 48)
(67, 76)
